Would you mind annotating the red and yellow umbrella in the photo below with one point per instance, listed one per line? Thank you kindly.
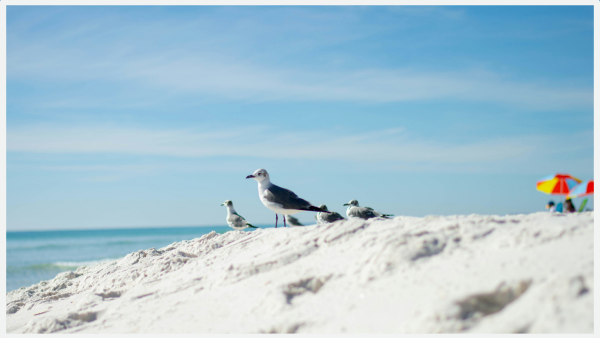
(559, 184)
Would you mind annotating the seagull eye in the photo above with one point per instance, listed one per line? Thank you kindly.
(258, 174)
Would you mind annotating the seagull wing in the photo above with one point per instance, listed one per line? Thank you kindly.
(292, 220)
(334, 216)
(373, 211)
(378, 214)
(364, 213)
(287, 199)
(236, 220)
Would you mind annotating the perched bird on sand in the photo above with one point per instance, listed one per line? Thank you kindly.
(293, 221)
(323, 218)
(279, 199)
(354, 211)
(234, 220)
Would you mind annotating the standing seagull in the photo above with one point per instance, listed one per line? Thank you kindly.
(279, 199)
(354, 211)
(327, 218)
(234, 220)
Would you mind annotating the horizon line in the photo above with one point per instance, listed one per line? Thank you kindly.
(259, 225)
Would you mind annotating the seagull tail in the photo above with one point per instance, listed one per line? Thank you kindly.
(386, 215)
(317, 209)
(251, 226)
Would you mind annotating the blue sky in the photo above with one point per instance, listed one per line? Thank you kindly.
(153, 116)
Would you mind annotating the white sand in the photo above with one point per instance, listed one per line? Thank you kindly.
(523, 273)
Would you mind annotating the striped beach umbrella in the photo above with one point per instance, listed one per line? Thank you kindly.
(559, 184)
(582, 189)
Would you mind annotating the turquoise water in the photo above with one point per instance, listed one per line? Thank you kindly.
(34, 256)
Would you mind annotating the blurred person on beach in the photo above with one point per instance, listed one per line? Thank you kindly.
(569, 207)
(551, 207)
(559, 207)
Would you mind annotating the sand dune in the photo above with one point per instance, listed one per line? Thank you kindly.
(496, 274)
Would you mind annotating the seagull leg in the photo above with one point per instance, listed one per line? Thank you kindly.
(275, 221)
(284, 221)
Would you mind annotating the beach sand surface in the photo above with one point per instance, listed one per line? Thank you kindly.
(529, 273)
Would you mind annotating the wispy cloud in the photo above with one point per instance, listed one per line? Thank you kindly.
(387, 145)
(370, 85)
(433, 11)
(177, 73)
(193, 75)
(211, 69)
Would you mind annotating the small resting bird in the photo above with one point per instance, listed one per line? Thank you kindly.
(234, 220)
(354, 211)
(278, 199)
(293, 221)
(323, 218)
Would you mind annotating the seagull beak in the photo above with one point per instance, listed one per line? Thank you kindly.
(346, 204)
(223, 204)
(250, 176)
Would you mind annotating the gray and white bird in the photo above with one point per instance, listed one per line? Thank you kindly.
(354, 211)
(278, 199)
(323, 218)
(293, 221)
(234, 220)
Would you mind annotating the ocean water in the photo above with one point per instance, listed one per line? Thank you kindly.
(34, 256)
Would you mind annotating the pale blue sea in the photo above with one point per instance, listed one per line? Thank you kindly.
(34, 256)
